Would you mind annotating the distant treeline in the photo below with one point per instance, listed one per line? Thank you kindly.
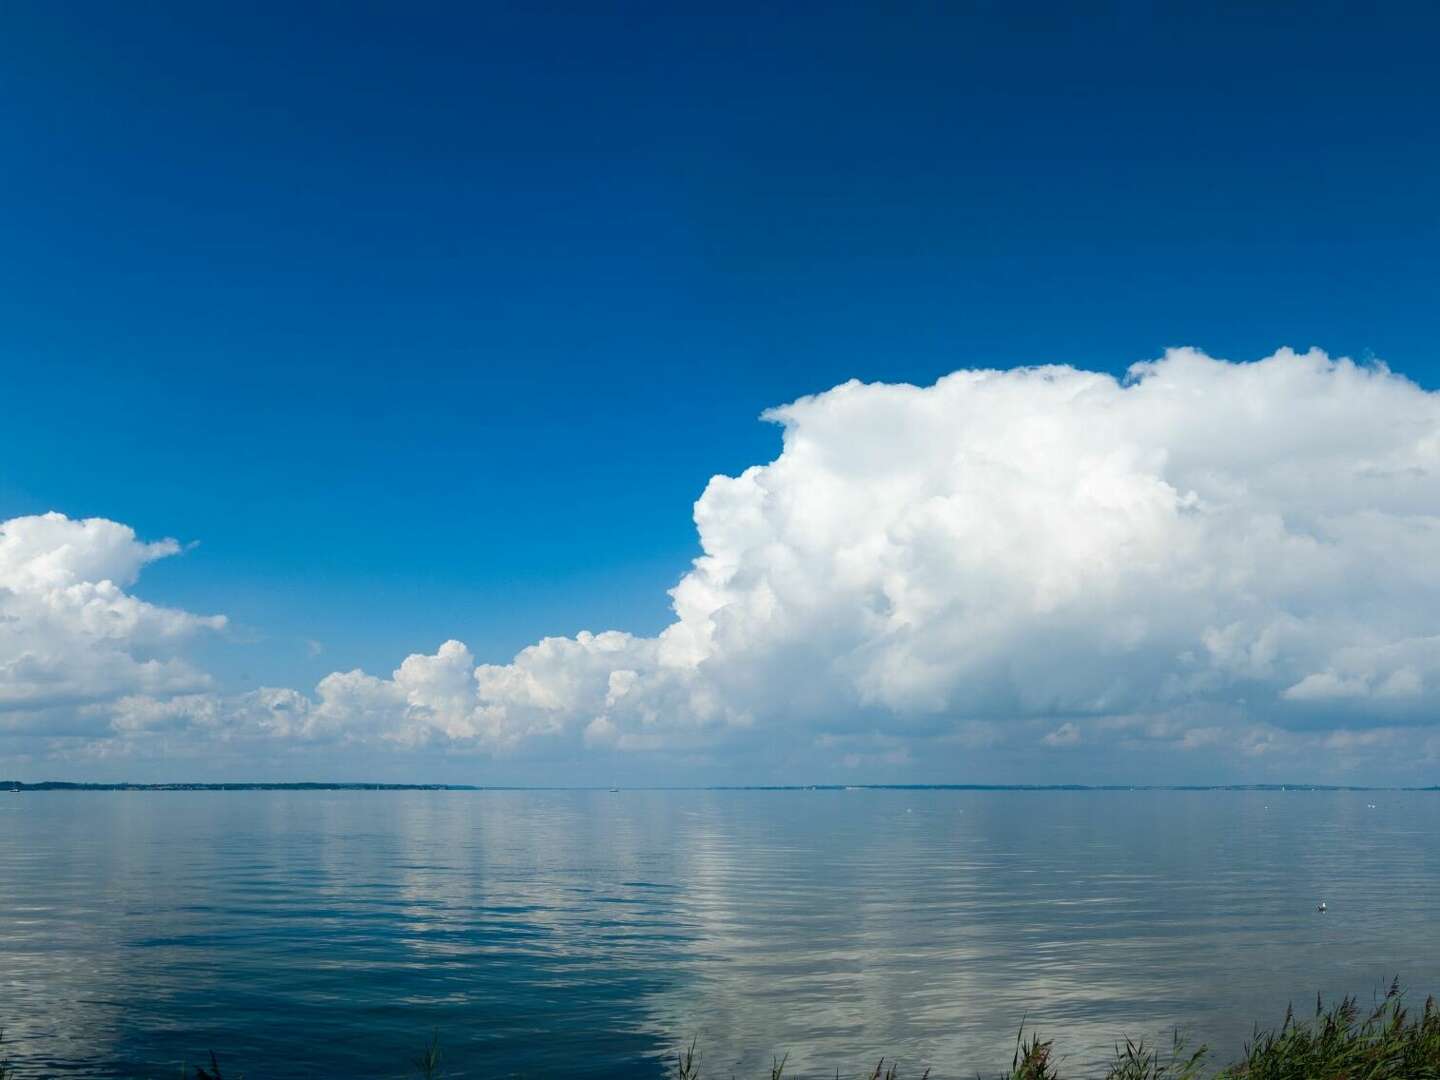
(63, 785)
(66, 785)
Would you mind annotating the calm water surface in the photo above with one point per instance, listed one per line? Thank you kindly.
(588, 933)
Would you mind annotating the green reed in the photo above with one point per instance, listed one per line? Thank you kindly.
(1389, 1042)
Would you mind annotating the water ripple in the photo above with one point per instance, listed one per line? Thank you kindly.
(591, 933)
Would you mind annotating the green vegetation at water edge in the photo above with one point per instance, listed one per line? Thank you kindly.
(1389, 1042)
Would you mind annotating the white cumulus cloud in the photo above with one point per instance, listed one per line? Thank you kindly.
(1043, 543)
(1205, 556)
(71, 636)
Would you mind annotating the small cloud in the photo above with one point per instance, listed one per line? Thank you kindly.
(1067, 734)
(1345, 739)
(313, 647)
(1198, 738)
(1326, 686)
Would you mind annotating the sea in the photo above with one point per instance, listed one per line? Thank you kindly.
(598, 933)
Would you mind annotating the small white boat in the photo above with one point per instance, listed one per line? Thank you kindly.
(1321, 908)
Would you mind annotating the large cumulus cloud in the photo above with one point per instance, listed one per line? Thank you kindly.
(1211, 555)
(1045, 543)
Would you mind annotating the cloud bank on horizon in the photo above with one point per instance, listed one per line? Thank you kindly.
(1228, 559)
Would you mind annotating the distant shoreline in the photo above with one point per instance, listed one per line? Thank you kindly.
(16, 786)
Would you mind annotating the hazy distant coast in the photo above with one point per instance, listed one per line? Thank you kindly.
(68, 785)
(65, 785)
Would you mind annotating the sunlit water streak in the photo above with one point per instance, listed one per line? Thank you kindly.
(590, 933)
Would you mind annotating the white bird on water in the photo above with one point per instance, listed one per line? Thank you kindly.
(1321, 908)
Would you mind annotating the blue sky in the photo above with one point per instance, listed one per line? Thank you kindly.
(432, 322)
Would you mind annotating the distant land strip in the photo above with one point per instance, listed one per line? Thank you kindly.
(14, 786)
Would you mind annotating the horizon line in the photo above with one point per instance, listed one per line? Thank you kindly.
(15, 786)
